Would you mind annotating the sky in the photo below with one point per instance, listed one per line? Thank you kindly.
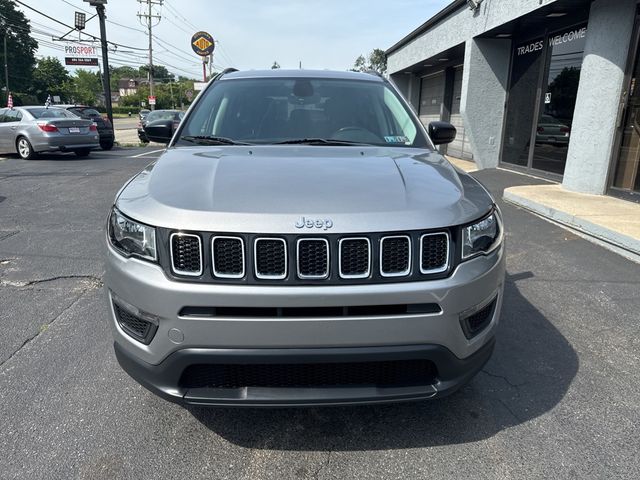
(249, 34)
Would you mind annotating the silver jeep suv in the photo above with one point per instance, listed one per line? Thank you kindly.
(302, 242)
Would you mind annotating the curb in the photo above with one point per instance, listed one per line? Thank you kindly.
(620, 243)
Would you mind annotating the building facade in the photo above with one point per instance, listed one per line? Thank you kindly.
(541, 86)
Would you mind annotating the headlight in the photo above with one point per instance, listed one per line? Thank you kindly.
(131, 238)
(482, 237)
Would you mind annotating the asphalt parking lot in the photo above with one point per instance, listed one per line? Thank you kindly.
(559, 399)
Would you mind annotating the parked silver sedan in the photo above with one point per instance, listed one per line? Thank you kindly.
(29, 131)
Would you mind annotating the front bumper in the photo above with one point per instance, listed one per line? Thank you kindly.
(164, 379)
(437, 337)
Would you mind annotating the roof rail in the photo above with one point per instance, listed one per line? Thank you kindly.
(224, 72)
(376, 73)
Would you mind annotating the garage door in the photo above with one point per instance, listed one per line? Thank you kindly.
(460, 147)
(431, 98)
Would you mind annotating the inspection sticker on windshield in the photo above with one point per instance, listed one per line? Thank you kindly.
(396, 139)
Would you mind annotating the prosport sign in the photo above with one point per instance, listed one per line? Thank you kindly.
(75, 50)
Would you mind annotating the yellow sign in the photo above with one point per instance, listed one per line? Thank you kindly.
(202, 43)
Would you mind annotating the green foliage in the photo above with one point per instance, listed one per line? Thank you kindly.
(20, 47)
(376, 61)
(51, 78)
(87, 86)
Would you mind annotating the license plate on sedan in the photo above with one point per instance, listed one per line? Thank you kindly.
(74, 130)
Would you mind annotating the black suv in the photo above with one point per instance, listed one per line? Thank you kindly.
(105, 129)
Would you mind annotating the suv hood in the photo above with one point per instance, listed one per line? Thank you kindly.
(267, 189)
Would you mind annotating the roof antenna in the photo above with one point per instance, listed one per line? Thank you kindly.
(300, 64)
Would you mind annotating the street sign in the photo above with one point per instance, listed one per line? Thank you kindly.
(81, 61)
(203, 44)
(152, 100)
(80, 50)
(189, 94)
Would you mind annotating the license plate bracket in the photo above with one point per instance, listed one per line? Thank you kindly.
(74, 130)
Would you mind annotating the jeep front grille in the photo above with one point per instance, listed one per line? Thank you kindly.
(186, 254)
(228, 257)
(313, 258)
(289, 259)
(270, 256)
(395, 256)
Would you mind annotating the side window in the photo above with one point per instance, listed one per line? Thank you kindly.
(12, 116)
(2, 114)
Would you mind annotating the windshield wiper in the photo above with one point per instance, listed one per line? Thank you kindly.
(318, 141)
(211, 140)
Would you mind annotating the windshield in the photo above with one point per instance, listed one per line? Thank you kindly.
(43, 112)
(281, 110)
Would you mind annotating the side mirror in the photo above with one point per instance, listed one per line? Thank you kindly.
(442, 132)
(159, 131)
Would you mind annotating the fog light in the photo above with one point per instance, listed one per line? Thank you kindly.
(139, 325)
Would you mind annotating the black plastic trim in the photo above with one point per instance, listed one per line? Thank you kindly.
(163, 379)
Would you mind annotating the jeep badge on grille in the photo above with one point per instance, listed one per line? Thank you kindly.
(325, 224)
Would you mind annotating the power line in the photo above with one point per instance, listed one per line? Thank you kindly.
(73, 28)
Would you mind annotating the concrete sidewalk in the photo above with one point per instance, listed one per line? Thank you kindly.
(613, 222)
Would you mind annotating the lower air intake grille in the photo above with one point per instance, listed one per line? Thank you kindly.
(434, 248)
(395, 256)
(355, 258)
(136, 327)
(387, 373)
(228, 257)
(313, 258)
(478, 321)
(271, 258)
(186, 254)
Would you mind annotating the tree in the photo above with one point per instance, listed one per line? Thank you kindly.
(376, 61)
(87, 86)
(51, 78)
(160, 73)
(21, 47)
(275, 66)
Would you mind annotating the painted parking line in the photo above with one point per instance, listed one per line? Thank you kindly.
(148, 153)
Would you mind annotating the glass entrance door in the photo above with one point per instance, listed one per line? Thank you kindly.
(627, 173)
(553, 130)
(545, 75)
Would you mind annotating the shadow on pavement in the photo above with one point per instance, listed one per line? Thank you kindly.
(529, 374)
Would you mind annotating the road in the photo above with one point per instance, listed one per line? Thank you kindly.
(559, 399)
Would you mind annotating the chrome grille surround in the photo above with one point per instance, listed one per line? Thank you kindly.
(189, 273)
(267, 276)
(402, 273)
(298, 257)
(359, 275)
(218, 274)
(445, 267)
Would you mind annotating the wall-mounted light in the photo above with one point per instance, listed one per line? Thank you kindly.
(443, 59)
(556, 14)
(503, 35)
(474, 4)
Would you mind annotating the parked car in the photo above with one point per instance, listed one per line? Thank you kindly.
(552, 131)
(32, 130)
(302, 242)
(143, 113)
(105, 129)
(174, 115)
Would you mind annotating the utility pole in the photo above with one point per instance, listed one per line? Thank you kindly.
(149, 18)
(6, 66)
(106, 80)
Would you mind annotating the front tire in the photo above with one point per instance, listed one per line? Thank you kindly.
(82, 153)
(24, 148)
(106, 145)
